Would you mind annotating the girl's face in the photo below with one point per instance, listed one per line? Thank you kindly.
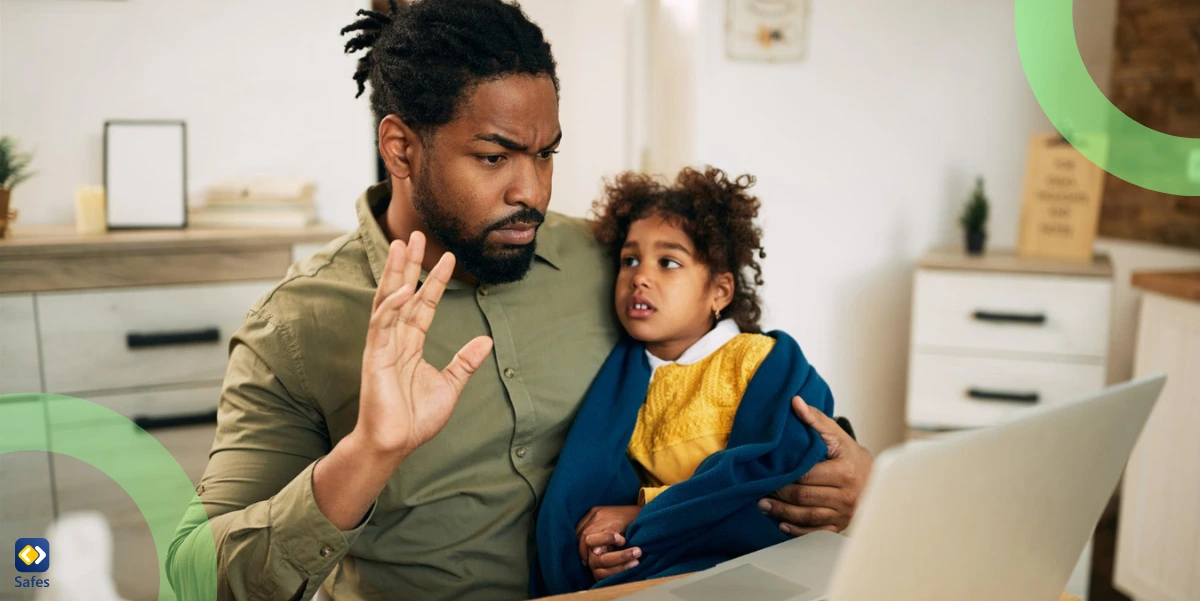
(665, 296)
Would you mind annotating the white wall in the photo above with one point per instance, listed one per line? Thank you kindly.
(591, 44)
(263, 85)
(864, 153)
(264, 88)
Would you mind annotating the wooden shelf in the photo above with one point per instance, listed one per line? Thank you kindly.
(30, 240)
(1178, 284)
(55, 258)
(1007, 261)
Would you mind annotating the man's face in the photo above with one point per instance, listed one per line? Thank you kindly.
(484, 183)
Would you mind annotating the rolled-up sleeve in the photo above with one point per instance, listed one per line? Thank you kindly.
(648, 493)
(256, 497)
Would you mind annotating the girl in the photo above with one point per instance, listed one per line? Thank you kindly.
(689, 422)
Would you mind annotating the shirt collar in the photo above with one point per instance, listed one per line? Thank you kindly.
(725, 330)
(373, 202)
(374, 242)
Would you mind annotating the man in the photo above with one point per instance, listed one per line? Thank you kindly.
(341, 449)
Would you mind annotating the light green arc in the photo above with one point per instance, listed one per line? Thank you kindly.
(123, 451)
(1084, 115)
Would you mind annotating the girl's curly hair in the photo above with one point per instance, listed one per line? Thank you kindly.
(717, 213)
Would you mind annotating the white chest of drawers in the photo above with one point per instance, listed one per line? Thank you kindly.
(993, 336)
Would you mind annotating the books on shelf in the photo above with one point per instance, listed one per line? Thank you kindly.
(256, 203)
(211, 217)
(261, 190)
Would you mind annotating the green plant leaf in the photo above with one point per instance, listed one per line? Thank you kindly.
(975, 212)
(14, 165)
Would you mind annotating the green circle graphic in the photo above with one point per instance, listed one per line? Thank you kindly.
(136, 461)
(1085, 116)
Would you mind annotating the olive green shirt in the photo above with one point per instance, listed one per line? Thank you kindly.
(456, 519)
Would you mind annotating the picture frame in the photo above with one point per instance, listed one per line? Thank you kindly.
(145, 174)
(767, 30)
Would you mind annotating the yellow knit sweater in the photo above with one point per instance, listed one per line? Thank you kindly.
(689, 410)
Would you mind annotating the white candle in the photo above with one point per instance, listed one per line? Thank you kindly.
(89, 210)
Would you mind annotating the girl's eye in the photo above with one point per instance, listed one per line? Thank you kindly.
(670, 263)
(491, 159)
(629, 262)
(546, 155)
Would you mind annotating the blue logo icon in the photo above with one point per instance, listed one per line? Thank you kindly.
(32, 554)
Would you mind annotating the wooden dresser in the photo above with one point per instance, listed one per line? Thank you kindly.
(997, 334)
(138, 321)
(1158, 540)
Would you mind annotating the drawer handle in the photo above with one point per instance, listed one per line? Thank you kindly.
(152, 339)
(1001, 395)
(175, 421)
(1028, 318)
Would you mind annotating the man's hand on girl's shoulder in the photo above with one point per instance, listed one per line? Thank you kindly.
(827, 496)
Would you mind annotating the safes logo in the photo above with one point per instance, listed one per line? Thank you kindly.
(32, 554)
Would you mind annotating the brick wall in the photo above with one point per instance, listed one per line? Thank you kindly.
(1156, 81)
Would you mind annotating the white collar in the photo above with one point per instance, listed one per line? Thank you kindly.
(716, 338)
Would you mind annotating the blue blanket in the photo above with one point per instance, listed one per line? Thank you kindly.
(705, 520)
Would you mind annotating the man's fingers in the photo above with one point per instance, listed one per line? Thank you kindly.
(830, 431)
(826, 473)
(607, 538)
(804, 495)
(590, 540)
(805, 517)
(596, 550)
(613, 559)
(587, 519)
(818, 420)
(384, 317)
(467, 360)
(413, 259)
(794, 531)
(603, 573)
(393, 273)
(414, 337)
(424, 305)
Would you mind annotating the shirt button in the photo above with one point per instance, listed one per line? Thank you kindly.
(483, 291)
(326, 551)
(520, 452)
(509, 372)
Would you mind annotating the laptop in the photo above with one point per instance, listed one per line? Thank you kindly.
(998, 514)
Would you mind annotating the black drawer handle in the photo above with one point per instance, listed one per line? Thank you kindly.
(204, 335)
(175, 421)
(1027, 318)
(1002, 395)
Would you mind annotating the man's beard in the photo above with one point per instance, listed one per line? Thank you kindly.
(490, 264)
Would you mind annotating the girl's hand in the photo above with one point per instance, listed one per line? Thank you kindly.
(601, 537)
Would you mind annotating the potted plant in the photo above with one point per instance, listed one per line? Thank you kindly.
(14, 169)
(974, 219)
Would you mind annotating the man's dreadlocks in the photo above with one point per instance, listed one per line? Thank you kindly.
(422, 58)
